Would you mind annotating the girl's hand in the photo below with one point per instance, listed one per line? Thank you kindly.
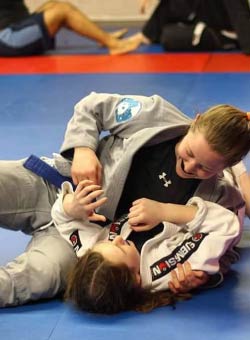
(82, 203)
(145, 214)
(86, 165)
(185, 279)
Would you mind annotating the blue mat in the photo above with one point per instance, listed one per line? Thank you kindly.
(34, 112)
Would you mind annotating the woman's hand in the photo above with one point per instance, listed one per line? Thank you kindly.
(145, 214)
(86, 165)
(82, 203)
(185, 279)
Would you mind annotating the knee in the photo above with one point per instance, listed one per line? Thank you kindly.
(57, 14)
(41, 272)
(61, 7)
(49, 260)
(44, 276)
(29, 278)
(47, 278)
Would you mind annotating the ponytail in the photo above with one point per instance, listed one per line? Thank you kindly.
(227, 131)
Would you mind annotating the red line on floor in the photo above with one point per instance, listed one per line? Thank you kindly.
(134, 63)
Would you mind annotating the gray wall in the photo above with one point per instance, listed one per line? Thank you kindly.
(107, 10)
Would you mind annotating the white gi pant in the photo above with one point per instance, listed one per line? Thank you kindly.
(25, 204)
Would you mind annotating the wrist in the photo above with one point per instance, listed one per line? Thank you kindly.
(82, 148)
(83, 152)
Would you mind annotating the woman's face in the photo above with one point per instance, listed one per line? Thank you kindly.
(196, 159)
(120, 251)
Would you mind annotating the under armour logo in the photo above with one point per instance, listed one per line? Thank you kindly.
(166, 182)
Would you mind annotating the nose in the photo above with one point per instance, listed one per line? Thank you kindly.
(118, 240)
(190, 166)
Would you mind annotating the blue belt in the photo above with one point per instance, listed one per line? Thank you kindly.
(44, 170)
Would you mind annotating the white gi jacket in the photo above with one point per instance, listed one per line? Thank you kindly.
(133, 121)
(202, 241)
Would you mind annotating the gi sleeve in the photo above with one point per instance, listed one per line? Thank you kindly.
(219, 227)
(121, 115)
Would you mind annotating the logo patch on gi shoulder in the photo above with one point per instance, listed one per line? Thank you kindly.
(181, 254)
(126, 109)
(75, 240)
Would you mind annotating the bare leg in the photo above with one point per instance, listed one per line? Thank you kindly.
(62, 14)
(132, 42)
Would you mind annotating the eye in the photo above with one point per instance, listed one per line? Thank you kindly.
(204, 168)
(190, 154)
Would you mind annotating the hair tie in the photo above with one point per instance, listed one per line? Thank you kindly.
(248, 116)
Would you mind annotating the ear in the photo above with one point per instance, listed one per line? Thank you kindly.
(138, 279)
(197, 117)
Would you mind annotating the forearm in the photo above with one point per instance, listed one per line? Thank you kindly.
(86, 165)
(177, 213)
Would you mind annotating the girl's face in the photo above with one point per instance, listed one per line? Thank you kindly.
(120, 251)
(196, 159)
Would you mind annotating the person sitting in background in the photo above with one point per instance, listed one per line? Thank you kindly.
(23, 33)
(197, 25)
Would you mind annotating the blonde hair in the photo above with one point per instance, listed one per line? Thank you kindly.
(227, 131)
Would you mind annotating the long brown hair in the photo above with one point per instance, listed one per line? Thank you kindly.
(227, 131)
(100, 286)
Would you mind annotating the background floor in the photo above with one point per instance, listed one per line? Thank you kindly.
(37, 96)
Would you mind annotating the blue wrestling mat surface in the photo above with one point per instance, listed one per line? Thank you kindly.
(34, 112)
